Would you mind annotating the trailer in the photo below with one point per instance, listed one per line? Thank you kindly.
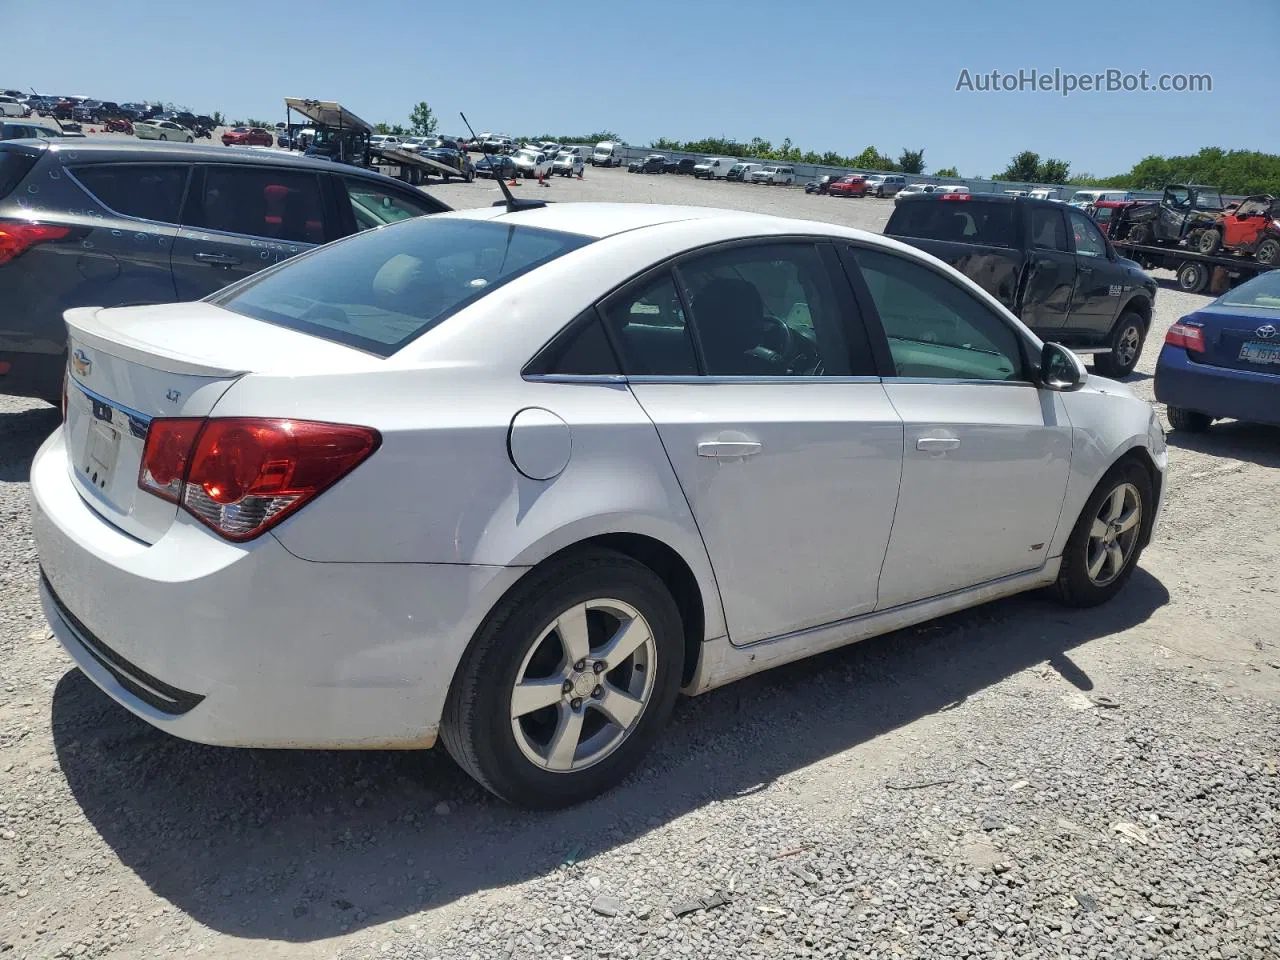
(343, 137)
(1194, 270)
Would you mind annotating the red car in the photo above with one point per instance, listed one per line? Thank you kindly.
(854, 185)
(1104, 210)
(247, 137)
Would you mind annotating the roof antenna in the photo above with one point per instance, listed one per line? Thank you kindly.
(512, 204)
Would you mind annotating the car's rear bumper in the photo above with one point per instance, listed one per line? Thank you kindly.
(1216, 391)
(246, 644)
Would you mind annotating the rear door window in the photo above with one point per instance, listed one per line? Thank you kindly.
(380, 290)
(149, 191)
(989, 223)
(1048, 230)
(276, 204)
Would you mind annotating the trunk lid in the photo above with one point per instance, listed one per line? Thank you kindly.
(129, 366)
(1240, 338)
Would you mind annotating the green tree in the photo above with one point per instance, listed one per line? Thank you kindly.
(872, 159)
(947, 172)
(911, 161)
(422, 120)
(395, 129)
(1024, 168)
(217, 118)
(1053, 171)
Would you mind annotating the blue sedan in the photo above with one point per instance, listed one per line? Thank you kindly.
(1224, 360)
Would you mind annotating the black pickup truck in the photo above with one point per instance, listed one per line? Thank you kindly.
(1044, 260)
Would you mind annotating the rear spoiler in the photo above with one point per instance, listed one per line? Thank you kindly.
(84, 324)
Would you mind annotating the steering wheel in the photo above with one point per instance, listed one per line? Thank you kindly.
(778, 337)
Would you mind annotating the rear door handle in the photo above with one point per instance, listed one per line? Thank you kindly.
(216, 259)
(937, 444)
(727, 449)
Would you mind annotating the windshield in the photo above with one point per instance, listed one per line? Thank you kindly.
(1263, 291)
(379, 290)
(1209, 200)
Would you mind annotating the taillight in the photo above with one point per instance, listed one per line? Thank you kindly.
(241, 476)
(1189, 336)
(165, 457)
(955, 196)
(18, 236)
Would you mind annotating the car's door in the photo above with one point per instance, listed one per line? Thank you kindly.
(1174, 209)
(986, 453)
(751, 361)
(1100, 282)
(1051, 269)
(240, 217)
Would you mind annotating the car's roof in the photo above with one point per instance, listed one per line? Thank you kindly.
(600, 220)
(91, 150)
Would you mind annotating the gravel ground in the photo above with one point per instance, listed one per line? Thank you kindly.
(1018, 781)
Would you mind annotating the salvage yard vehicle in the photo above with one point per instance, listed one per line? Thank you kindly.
(1250, 228)
(780, 176)
(741, 172)
(247, 137)
(1180, 214)
(495, 165)
(885, 186)
(162, 130)
(1085, 198)
(14, 130)
(853, 185)
(568, 163)
(1223, 360)
(13, 107)
(654, 163)
(1044, 260)
(125, 222)
(608, 153)
(531, 163)
(911, 189)
(1104, 211)
(822, 184)
(268, 521)
(713, 168)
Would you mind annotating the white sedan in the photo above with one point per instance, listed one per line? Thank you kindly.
(515, 478)
(162, 130)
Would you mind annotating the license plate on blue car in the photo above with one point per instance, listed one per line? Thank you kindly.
(1257, 352)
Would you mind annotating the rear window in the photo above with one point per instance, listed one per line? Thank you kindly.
(1263, 291)
(381, 289)
(970, 221)
(13, 167)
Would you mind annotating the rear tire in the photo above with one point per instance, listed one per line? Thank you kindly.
(1098, 561)
(1127, 339)
(1269, 252)
(1189, 421)
(164, 136)
(1210, 242)
(522, 643)
(1139, 233)
(1193, 277)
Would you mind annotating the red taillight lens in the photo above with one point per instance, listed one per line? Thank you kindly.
(1189, 336)
(166, 455)
(17, 237)
(241, 476)
(955, 196)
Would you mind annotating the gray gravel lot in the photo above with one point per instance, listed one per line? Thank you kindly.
(1018, 781)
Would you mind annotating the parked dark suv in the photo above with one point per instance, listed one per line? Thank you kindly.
(84, 223)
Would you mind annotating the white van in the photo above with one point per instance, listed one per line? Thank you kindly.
(742, 171)
(608, 153)
(714, 168)
(773, 175)
(1084, 198)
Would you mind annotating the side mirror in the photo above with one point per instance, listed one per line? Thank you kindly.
(1060, 369)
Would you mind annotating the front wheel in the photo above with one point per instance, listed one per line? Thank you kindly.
(1140, 233)
(1126, 347)
(191, 139)
(568, 682)
(1104, 547)
(1190, 421)
(164, 136)
(1209, 242)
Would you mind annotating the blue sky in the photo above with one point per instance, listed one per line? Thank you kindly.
(829, 75)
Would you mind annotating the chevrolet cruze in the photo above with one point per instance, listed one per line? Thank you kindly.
(513, 479)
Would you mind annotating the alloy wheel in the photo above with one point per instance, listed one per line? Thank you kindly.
(1114, 534)
(583, 685)
(1128, 346)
